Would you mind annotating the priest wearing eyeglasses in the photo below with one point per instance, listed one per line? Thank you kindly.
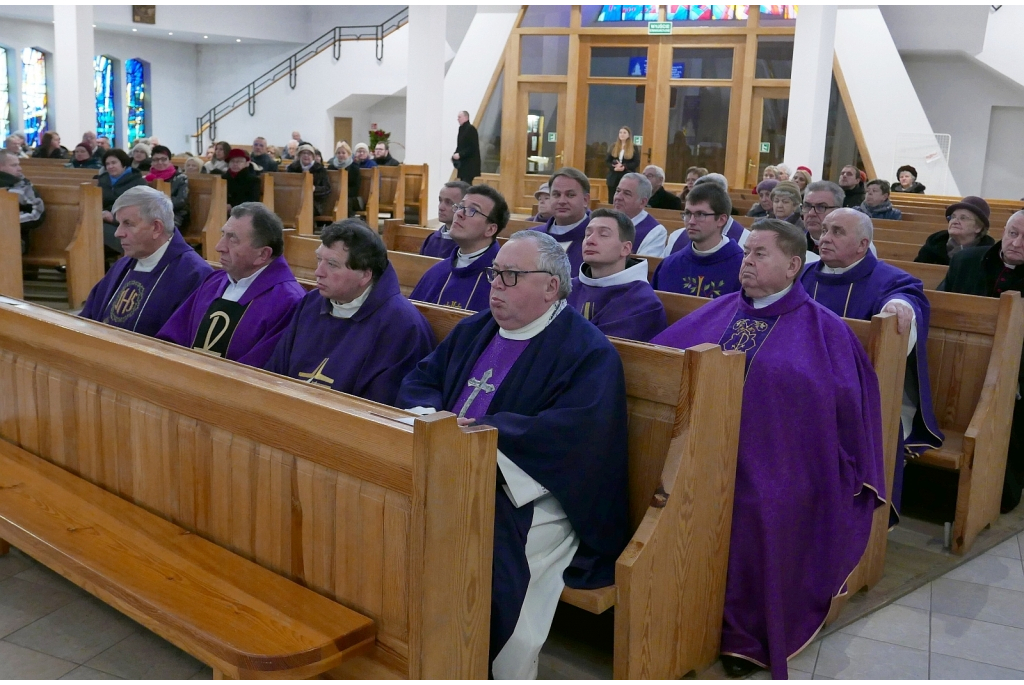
(553, 386)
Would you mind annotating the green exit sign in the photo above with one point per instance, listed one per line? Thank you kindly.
(659, 28)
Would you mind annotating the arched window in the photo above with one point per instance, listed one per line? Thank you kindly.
(103, 81)
(5, 96)
(136, 77)
(34, 100)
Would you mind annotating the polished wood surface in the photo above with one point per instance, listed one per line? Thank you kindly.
(208, 212)
(369, 192)
(293, 200)
(337, 201)
(11, 283)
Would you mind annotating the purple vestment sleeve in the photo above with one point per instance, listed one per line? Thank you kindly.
(631, 310)
(438, 246)
(451, 286)
(690, 273)
(572, 241)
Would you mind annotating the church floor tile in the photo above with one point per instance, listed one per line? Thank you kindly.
(848, 656)
(979, 602)
(76, 632)
(988, 643)
(19, 663)
(86, 673)
(951, 668)
(145, 656)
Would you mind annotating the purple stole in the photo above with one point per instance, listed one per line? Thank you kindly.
(436, 245)
(642, 229)
(464, 288)
(690, 273)
(487, 375)
(571, 241)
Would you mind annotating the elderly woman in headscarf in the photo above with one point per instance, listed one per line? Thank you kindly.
(140, 157)
(906, 176)
(763, 206)
(343, 161)
(786, 203)
(968, 227)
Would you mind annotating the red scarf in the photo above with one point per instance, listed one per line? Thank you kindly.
(165, 175)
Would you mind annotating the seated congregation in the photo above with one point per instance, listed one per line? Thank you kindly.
(537, 355)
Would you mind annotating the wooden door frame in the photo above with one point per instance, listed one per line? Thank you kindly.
(524, 180)
(753, 156)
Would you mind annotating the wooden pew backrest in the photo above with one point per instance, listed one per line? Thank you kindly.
(293, 200)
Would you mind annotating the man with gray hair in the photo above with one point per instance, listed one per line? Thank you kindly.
(852, 282)
(660, 198)
(631, 196)
(158, 271)
(240, 311)
(553, 386)
(821, 198)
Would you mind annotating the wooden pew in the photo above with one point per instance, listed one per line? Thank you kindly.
(929, 274)
(416, 182)
(339, 495)
(369, 192)
(392, 191)
(337, 201)
(293, 200)
(208, 212)
(407, 238)
(669, 590)
(899, 251)
(71, 236)
(267, 191)
(57, 174)
(11, 283)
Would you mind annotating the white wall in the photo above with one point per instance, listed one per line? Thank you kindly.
(886, 104)
(1002, 42)
(1004, 162)
(224, 69)
(931, 28)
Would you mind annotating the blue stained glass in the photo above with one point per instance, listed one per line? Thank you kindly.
(707, 12)
(5, 96)
(628, 13)
(34, 101)
(135, 87)
(103, 81)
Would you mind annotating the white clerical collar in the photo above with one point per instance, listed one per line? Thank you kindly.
(236, 289)
(147, 264)
(762, 302)
(561, 230)
(639, 217)
(535, 327)
(349, 309)
(445, 231)
(716, 248)
(825, 268)
(464, 260)
(631, 274)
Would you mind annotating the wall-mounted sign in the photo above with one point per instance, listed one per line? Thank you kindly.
(659, 28)
(638, 68)
(766, 147)
(552, 136)
(144, 14)
(638, 140)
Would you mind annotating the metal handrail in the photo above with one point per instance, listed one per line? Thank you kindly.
(289, 67)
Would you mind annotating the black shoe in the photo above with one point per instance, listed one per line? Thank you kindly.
(737, 667)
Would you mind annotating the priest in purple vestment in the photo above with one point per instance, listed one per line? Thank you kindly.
(810, 469)
(709, 263)
(570, 203)
(459, 280)
(631, 200)
(158, 271)
(852, 282)
(439, 243)
(240, 311)
(612, 291)
(356, 333)
(553, 386)
(719, 204)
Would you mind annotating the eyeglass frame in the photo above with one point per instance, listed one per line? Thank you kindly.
(492, 274)
(470, 212)
(699, 216)
(817, 209)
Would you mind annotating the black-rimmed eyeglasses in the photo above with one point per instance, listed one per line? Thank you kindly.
(508, 275)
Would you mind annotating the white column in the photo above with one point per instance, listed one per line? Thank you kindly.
(425, 116)
(73, 91)
(810, 86)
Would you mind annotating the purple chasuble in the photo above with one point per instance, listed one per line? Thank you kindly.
(805, 490)
(702, 275)
(860, 293)
(572, 241)
(489, 371)
(642, 229)
(438, 245)
(628, 310)
(465, 288)
(269, 302)
(733, 231)
(366, 355)
(143, 302)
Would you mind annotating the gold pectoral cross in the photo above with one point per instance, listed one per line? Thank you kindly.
(317, 376)
(478, 386)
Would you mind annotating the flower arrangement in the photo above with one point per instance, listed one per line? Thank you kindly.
(378, 135)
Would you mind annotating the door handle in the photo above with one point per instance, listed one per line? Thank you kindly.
(648, 155)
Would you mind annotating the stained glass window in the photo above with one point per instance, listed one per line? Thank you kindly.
(34, 101)
(779, 11)
(103, 81)
(726, 12)
(628, 13)
(5, 96)
(135, 78)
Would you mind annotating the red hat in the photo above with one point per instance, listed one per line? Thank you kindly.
(807, 169)
(238, 152)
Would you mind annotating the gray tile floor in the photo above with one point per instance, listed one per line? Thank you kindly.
(968, 624)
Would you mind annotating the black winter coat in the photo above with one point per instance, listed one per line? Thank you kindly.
(111, 192)
(854, 196)
(934, 249)
(321, 184)
(244, 187)
(915, 187)
(468, 147)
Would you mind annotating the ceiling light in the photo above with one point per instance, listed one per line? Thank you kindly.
(170, 33)
(134, 29)
(94, 25)
(238, 40)
(205, 36)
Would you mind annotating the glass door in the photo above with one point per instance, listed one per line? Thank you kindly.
(541, 119)
(769, 116)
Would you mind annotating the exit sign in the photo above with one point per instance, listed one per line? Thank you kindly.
(659, 28)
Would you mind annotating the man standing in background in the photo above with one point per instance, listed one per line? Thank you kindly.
(467, 150)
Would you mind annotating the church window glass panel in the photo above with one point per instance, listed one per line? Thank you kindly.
(600, 14)
(135, 78)
(5, 96)
(35, 103)
(707, 12)
(103, 80)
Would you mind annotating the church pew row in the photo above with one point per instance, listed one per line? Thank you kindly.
(393, 521)
(416, 180)
(398, 235)
(267, 190)
(369, 194)
(70, 236)
(392, 192)
(337, 202)
(293, 200)
(11, 282)
(208, 212)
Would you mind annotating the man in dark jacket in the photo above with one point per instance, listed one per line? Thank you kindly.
(30, 206)
(382, 155)
(989, 272)
(305, 161)
(660, 198)
(467, 150)
(852, 184)
(260, 155)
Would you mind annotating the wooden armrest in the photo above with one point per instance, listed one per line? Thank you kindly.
(595, 601)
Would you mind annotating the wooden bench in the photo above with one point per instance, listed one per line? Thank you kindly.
(392, 192)
(52, 175)
(669, 590)
(337, 201)
(416, 183)
(929, 274)
(267, 190)
(333, 493)
(70, 236)
(293, 200)
(403, 237)
(11, 283)
(208, 212)
(369, 192)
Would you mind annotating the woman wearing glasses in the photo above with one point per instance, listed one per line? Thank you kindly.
(968, 227)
